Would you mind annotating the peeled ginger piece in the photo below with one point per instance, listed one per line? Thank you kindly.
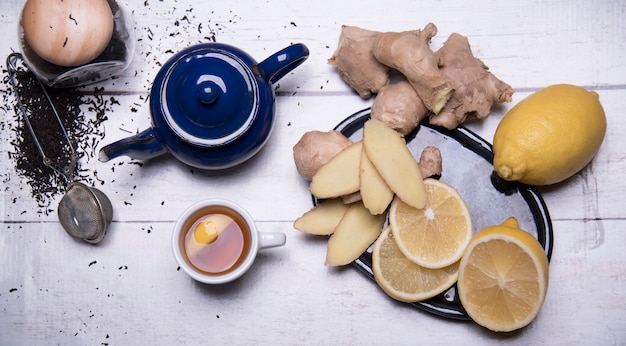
(394, 161)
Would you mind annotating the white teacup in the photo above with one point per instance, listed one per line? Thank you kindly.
(216, 241)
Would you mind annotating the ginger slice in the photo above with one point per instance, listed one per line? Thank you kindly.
(476, 89)
(375, 192)
(410, 54)
(355, 62)
(323, 218)
(340, 176)
(356, 231)
(394, 162)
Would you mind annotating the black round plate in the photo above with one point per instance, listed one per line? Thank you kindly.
(468, 166)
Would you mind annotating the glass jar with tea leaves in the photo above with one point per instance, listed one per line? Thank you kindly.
(69, 43)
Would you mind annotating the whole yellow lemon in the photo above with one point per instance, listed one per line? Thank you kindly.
(549, 136)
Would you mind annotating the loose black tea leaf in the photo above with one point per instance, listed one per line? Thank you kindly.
(81, 114)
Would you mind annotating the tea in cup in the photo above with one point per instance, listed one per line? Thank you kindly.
(216, 241)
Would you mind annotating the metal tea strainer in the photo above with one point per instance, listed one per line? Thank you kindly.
(84, 212)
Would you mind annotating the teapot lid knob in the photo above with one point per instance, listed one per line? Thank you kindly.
(209, 96)
(207, 92)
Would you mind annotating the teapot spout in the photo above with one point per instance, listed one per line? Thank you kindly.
(142, 146)
(282, 62)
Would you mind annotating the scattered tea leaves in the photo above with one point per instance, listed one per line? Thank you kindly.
(81, 114)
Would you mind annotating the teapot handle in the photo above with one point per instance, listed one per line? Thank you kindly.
(282, 62)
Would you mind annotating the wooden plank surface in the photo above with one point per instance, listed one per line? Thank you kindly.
(127, 290)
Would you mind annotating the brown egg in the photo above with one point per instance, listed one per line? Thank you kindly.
(67, 32)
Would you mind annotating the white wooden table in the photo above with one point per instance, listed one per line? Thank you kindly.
(127, 289)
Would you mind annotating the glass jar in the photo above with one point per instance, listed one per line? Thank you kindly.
(114, 59)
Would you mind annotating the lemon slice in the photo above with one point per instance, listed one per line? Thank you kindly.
(437, 235)
(208, 228)
(404, 280)
(503, 277)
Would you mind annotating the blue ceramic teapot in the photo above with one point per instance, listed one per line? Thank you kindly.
(212, 106)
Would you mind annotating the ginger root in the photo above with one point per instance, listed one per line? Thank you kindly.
(355, 62)
(430, 162)
(398, 106)
(410, 54)
(476, 89)
(315, 148)
(452, 84)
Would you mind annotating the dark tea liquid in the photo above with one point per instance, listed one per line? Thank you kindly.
(227, 251)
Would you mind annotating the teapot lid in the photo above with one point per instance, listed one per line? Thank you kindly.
(209, 97)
